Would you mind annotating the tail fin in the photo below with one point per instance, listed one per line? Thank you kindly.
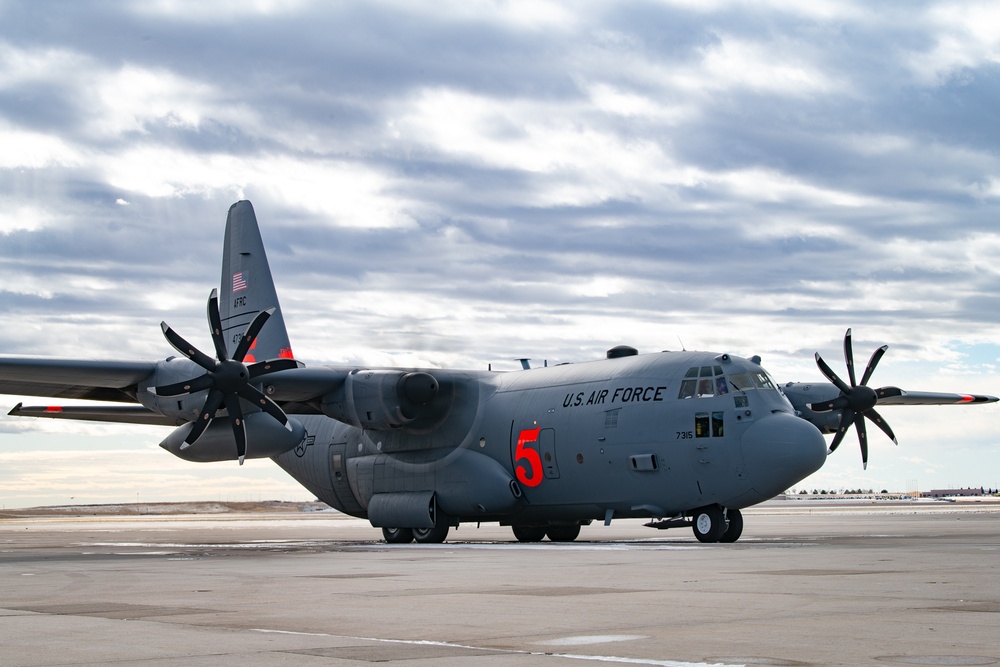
(247, 288)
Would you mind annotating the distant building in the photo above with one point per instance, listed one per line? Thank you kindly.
(943, 493)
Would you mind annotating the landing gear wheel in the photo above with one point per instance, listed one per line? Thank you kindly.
(709, 523)
(563, 533)
(397, 535)
(735, 528)
(528, 533)
(435, 535)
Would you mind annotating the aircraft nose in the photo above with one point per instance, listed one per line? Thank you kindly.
(780, 450)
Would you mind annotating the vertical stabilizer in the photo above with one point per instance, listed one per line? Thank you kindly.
(247, 288)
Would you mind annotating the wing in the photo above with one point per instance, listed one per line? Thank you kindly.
(933, 398)
(73, 378)
(125, 381)
(116, 381)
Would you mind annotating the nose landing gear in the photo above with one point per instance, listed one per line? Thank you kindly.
(715, 524)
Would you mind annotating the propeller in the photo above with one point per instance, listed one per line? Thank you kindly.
(226, 379)
(857, 401)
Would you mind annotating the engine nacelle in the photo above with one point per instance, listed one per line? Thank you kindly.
(265, 438)
(182, 408)
(801, 395)
(382, 399)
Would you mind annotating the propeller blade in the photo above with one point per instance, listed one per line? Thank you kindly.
(272, 366)
(187, 349)
(845, 420)
(859, 425)
(877, 419)
(830, 375)
(250, 335)
(215, 324)
(258, 398)
(849, 358)
(239, 427)
(872, 363)
(195, 385)
(205, 417)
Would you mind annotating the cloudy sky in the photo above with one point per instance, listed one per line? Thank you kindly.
(460, 183)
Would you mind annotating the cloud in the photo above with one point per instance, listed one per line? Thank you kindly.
(469, 183)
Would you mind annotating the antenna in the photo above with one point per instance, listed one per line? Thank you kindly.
(683, 349)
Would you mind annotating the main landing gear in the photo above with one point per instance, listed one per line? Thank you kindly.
(435, 535)
(439, 533)
(567, 533)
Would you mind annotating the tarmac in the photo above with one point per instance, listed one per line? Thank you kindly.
(809, 583)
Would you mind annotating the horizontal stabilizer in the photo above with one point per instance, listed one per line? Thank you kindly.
(128, 414)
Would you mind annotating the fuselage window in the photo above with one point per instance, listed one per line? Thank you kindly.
(718, 429)
(701, 425)
(709, 426)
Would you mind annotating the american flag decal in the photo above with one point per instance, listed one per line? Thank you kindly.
(239, 281)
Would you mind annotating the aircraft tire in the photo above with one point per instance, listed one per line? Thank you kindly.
(397, 535)
(563, 533)
(528, 533)
(708, 523)
(435, 535)
(735, 527)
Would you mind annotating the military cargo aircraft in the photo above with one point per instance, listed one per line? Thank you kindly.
(681, 438)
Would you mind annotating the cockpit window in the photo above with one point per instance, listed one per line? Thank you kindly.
(704, 382)
(709, 381)
(751, 380)
(740, 381)
(761, 380)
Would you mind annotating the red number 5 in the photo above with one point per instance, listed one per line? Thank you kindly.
(531, 456)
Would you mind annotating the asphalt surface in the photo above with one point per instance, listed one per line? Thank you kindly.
(808, 584)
